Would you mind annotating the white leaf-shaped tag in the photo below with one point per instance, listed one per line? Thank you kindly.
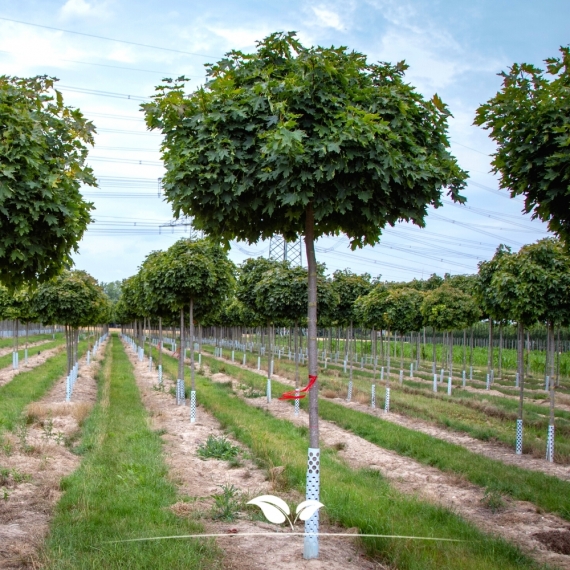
(307, 509)
(273, 508)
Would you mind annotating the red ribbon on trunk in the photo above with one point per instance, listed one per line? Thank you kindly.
(296, 394)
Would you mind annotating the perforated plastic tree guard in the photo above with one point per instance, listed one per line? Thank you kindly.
(387, 401)
(349, 394)
(550, 444)
(311, 543)
(519, 441)
(193, 406)
(373, 397)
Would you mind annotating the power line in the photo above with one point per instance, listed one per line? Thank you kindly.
(104, 93)
(110, 116)
(125, 160)
(106, 38)
(163, 73)
(472, 228)
(491, 215)
(127, 132)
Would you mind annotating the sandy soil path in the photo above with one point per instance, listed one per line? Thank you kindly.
(34, 460)
(201, 479)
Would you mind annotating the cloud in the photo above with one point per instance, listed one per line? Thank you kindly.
(327, 18)
(436, 58)
(82, 8)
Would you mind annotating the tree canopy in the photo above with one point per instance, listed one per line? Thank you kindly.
(447, 309)
(287, 127)
(73, 298)
(529, 119)
(349, 286)
(42, 165)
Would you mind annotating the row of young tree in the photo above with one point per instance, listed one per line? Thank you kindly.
(528, 287)
(288, 140)
(73, 300)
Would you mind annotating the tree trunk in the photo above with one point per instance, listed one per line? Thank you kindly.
(181, 350)
(520, 367)
(389, 354)
(550, 332)
(490, 350)
(501, 350)
(374, 349)
(192, 379)
(451, 354)
(434, 351)
(312, 327)
(350, 355)
(296, 354)
(160, 340)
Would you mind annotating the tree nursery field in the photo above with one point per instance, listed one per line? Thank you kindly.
(211, 416)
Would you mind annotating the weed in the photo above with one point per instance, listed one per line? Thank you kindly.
(493, 500)
(47, 428)
(22, 431)
(217, 448)
(6, 446)
(250, 391)
(235, 462)
(5, 493)
(160, 431)
(227, 504)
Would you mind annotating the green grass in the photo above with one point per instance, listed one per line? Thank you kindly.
(480, 415)
(6, 342)
(29, 386)
(358, 498)
(121, 490)
(6, 360)
(547, 492)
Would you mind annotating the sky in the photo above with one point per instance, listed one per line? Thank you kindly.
(454, 48)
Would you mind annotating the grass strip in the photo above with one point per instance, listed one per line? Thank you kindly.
(359, 498)
(9, 341)
(6, 360)
(29, 386)
(482, 416)
(121, 489)
(547, 492)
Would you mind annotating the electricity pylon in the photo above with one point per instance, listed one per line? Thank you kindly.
(280, 250)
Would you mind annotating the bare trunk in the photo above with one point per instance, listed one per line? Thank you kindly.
(192, 379)
(350, 354)
(181, 351)
(160, 340)
(520, 367)
(550, 332)
(312, 328)
(490, 351)
(296, 354)
(501, 350)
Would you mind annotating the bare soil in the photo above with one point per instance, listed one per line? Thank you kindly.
(34, 460)
(516, 521)
(200, 480)
(8, 373)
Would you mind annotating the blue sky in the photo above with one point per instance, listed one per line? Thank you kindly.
(454, 48)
